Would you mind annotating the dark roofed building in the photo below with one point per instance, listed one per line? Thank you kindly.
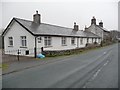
(27, 35)
(44, 29)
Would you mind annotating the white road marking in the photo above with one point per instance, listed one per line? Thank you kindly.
(104, 53)
(106, 63)
(97, 72)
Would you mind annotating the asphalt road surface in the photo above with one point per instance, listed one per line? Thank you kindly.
(94, 69)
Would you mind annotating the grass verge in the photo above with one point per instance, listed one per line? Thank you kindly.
(4, 66)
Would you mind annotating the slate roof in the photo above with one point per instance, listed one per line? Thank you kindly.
(105, 30)
(53, 30)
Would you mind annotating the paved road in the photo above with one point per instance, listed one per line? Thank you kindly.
(97, 68)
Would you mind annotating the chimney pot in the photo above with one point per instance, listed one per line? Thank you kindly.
(37, 18)
(76, 27)
(101, 23)
(85, 27)
(93, 21)
(36, 11)
(74, 23)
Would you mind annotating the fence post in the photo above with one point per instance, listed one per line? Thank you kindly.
(18, 55)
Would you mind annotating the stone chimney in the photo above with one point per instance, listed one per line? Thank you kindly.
(76, 27)
(93, 21)
(101, 23)
(37, 18)
(86, 27)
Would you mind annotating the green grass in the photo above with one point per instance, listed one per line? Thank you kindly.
(4, 66)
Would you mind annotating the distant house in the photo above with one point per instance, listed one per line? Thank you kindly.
(30, 36)
(98, 29)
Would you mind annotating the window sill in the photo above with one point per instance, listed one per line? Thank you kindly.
(23, 47)
(47, 46)
(64, 45)
(81, 44)
(73, 44)
(10, 46)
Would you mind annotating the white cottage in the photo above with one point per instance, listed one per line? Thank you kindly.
(29, 36)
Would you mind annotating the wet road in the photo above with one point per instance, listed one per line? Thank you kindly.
(94, 69)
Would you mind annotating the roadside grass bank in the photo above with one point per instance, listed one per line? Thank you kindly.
(4, 66)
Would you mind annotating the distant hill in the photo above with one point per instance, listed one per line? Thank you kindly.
(115, 34)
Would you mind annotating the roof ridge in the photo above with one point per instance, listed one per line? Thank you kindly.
(22, 19)
(102, 28)
(57, 25)
(44, 23)
(50, 30)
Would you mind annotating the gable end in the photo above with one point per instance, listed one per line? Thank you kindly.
(5, 31)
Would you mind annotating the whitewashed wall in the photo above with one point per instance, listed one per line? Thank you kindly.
(16, 31)
(84, 43)
(57, 45)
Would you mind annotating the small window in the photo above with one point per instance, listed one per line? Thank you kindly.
(39, 39)
(73, 40)
(47, 41)
(81, 40)
(64, 41)
(23, 41)
(10, 39)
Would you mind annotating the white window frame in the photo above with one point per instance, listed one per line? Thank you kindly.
(63, 41)
(47, 41)
(23, 41)
(39, 39)
(81, 41)
(10, 40)
(87, 40)
(73, 40)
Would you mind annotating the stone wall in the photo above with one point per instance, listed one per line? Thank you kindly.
(68, 52)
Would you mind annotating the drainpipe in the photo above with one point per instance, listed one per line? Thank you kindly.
(35, 49)
(77, 42)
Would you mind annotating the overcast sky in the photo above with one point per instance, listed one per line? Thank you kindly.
(63, 13)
